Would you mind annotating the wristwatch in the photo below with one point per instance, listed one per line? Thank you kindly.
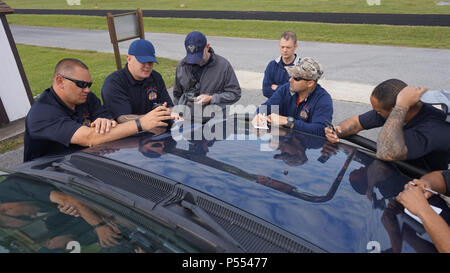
(138, 124)
(290, 122)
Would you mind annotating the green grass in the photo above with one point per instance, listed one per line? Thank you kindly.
(11, 144)
(387, 6)
(429, 37)
(39, 63)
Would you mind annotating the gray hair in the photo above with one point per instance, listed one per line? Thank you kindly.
(289, 35)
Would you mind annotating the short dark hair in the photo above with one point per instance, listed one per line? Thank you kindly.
(387, 91)
(67, 66)
(289, 35)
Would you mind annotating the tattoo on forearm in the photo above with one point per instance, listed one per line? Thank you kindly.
(350, 130)
(391, 141)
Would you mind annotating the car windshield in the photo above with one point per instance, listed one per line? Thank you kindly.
(38, 217)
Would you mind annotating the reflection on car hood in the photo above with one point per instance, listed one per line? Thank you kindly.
(335, 200)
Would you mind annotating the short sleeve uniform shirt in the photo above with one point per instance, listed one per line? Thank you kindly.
(50, 124)
(123, 95)
(427, 137)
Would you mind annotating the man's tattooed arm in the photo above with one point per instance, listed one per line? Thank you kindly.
(349, 127)
(391, 141)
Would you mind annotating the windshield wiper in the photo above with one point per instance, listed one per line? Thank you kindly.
(188, 202)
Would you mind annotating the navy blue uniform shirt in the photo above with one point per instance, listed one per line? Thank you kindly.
(276, 73)
(310, 115)
(50, 124)
(446, 175)
(427, 136)
(123, 95)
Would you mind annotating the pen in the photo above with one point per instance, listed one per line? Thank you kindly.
(445, 198)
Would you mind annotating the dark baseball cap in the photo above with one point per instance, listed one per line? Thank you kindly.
(194, 43)
(143, 50)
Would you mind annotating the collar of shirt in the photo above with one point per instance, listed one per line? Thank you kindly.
(280, 60)
(307, 97)
(59, 101)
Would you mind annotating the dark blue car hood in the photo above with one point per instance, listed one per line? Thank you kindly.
(337, 203)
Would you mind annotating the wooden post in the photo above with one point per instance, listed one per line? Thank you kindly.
(113, 36)
(3, 115)
(140, 19)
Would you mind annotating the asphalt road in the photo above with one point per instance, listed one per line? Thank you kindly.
(349, 63)
(323, 17)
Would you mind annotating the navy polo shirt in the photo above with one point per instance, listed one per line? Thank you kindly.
(310, 115)
(123, 95)
(276, 73)
(50, 124)
(426, 136)
(446, 175)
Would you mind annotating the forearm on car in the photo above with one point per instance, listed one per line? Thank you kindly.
(437, 228)
(436, 181)
(391, 141)
(125, 118)
(87, 137)
(349, 127)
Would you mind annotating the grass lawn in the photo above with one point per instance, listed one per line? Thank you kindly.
(431, 37)
(386, 6)
(11, 144)
(39, 63)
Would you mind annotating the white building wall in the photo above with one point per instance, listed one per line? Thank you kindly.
(12, 90)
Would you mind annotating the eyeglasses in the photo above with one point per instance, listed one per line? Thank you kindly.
(299, 79)
(80, 84)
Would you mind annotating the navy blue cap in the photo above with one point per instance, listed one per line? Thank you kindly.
(195, 43)
(143, 50)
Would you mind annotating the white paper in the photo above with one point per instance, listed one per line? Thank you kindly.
(261, 126)
(436, 209)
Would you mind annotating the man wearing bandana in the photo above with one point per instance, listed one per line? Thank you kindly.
(303, 104)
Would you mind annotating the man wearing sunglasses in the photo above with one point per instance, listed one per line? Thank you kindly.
(133, 91)
(303, 104)
(68, 117)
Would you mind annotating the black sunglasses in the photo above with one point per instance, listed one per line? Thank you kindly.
(80, 84)
(299, 79)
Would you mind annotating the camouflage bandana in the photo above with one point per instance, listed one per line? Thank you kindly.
(306, 68)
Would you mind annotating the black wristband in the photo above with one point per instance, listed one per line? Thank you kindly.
(138, 124)
(102, 223)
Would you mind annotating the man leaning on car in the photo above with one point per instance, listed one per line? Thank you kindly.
(68, 117)
(136, 89)
(412, 130)
(303, 104)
